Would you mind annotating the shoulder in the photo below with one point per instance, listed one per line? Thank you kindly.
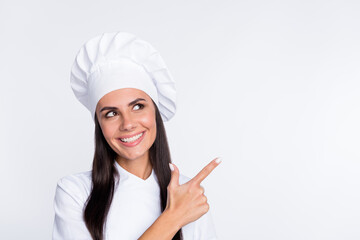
(77, 185)
(202, 228)
(71, 194)
(76, 180)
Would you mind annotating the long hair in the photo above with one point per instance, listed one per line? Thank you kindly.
(104, 172)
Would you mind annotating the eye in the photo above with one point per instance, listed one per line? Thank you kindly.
(138, 106)
(110, 114)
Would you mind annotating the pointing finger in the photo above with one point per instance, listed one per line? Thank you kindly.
(206, 171)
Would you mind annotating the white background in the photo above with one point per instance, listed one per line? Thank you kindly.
(270, 86)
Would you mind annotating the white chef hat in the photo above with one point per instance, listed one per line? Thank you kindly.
(116, 60)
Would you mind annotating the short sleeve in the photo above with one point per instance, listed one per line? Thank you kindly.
(204, 228)
(69, 202)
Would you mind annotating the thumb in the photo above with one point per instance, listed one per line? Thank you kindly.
(174, 181)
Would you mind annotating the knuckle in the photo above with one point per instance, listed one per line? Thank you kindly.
(190, 190)
(206, 207)
(193, 185)
(207, 169)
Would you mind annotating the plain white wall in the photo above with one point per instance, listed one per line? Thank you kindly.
(270, 86)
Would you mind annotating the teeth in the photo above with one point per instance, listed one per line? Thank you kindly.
(132, 139)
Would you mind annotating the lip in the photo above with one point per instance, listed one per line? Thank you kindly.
(132, 144)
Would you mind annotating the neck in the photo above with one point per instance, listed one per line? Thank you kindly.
(140, 167)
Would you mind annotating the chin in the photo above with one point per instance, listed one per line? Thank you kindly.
(131, 157)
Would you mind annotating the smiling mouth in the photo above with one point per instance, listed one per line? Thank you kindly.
(131, 139)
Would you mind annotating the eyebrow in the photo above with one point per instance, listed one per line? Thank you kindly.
(130, 104)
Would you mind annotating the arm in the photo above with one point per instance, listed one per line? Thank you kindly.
(164, 228)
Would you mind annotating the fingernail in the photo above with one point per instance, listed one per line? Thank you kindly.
(171, 167)
(218, 160)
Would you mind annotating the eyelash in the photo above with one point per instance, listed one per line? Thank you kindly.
(139, 104)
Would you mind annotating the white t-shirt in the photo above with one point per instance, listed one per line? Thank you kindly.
(135, 207)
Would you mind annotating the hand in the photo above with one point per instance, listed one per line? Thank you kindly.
(187, 202)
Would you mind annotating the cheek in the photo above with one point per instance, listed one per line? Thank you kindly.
(149, 121)
(108, 131)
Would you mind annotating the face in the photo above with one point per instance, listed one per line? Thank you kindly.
(127, 120)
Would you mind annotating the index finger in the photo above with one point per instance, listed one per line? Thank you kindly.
(206, 171)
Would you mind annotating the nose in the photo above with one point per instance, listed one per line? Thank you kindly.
(128, 123)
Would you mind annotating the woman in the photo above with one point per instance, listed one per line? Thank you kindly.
(133, 190)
